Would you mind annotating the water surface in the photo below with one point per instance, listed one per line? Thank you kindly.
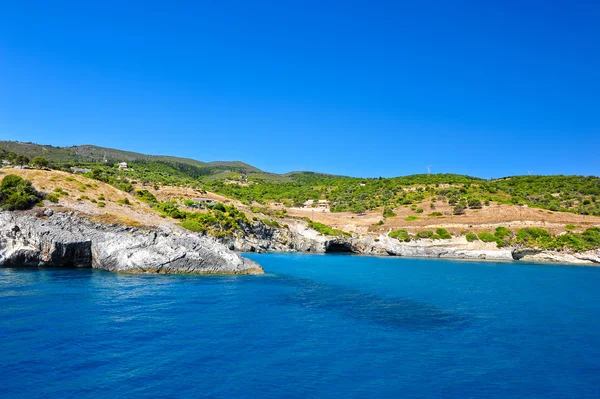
(313, 326)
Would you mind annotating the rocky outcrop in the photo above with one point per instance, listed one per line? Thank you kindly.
(66, 240)
(299, 238)
(537, 255)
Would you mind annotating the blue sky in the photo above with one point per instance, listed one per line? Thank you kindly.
(372, 88)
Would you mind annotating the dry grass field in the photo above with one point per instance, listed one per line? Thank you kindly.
(85, 195)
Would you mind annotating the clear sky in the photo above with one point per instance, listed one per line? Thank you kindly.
(363, 88)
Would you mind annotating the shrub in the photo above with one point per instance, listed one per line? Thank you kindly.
(425, 234)
(146, 196)
(502, 233)
(326, 230)
(401, 235)
(459, 210)
(388, 212)
(17, 193)
(52, 198)
(592, 236)
(573, 241)
(271, 223)
(435, 214)
(169, 209)
(443, 234)
(486, 237)
(471, 237)
(410, 218)
(419, 210)
(474, 203)
(101, 204)
(531, 234)
(570, 227)
(193, 225)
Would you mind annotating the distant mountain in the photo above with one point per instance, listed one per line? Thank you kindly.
(93, 153)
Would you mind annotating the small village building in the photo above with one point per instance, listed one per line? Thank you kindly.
(80, 170)
(202, 203)
(323, 203)
(122, 166)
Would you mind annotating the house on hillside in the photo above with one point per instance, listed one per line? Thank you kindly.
(80, 170)
(202, 203)
(206, 201)
(122, 165)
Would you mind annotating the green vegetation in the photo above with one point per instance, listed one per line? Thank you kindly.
(52, 198)
(271, 223)
(17, 193)
(169, 209)
(388, 212)
(486, 237)
(218, 221)
(471, 237)
(425, 234)
(577, 194)
(411, 218)
(540, 238)
(435, 214)
(146, 196)
(443, 234)
(401, 235)
(326, 230)
(39, 162)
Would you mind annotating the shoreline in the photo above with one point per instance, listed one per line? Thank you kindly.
(474, 259)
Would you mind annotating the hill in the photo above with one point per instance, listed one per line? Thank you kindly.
(337, 194)
(95, 154)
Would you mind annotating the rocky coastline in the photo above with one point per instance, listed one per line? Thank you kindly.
(43, 238)
(64, 239)
(299, 238)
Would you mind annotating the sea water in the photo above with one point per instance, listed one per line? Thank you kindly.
(319, 326)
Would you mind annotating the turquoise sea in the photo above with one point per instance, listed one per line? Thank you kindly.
(314, 326)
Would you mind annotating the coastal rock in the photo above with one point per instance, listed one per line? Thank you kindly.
(66, 240)
(538, 255)
(299, 238)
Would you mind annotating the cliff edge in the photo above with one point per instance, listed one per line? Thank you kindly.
(53, 239)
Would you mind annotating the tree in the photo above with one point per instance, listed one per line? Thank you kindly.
(39, 162)
(11, 156)
(21, 160)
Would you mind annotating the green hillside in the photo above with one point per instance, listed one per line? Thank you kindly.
(576, 194)
(86, 154)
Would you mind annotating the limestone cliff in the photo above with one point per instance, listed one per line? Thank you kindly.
(299, 238)
(66, 240)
